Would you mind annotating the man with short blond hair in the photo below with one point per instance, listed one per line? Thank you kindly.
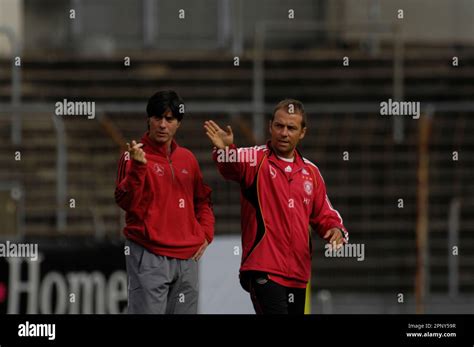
(281, 196)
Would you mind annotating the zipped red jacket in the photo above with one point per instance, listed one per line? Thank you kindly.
(168, 206)
(279, 200)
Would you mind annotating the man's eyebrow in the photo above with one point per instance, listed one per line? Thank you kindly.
(292, 125)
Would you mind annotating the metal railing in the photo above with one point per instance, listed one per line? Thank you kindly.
(61, 174)
(201, 107)
(454, 223)
(228, 31)
(453, 240)
(15, 84)
(17, 193)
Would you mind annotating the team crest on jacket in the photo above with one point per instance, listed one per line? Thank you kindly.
(308, 187)
(159, 169)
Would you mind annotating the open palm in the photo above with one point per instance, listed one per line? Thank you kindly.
(219, 137)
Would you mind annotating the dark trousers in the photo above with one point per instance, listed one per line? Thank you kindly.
(269, 297)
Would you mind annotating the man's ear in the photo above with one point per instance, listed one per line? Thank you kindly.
(270, 126)
(179, 123)
(303, 133)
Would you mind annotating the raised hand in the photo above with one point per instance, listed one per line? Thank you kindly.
(136, 152)
(219, 137)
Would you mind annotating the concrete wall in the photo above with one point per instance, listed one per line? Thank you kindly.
(436, 21)
(219, 288)
(45, 24)
(10, 16)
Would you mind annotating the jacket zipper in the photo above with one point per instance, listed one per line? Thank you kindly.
(292, 212)
(290, 180)
(171, 166)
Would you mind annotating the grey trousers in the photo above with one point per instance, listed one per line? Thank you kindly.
(159, 284)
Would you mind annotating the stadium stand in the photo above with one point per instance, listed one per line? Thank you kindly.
(365, 189)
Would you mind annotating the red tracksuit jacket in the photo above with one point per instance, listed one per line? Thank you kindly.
(168, 206)
(279, 200)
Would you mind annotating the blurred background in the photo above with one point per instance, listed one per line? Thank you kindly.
(403, 186)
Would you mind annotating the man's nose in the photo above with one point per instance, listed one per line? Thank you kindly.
(162, 123)
(284, 132)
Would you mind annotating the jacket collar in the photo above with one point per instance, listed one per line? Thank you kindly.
(157, 149)
(273, 156)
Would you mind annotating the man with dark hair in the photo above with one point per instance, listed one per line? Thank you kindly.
(282, 194)
(169, 218)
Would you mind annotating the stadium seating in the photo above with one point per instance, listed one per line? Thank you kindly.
(365, 189)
